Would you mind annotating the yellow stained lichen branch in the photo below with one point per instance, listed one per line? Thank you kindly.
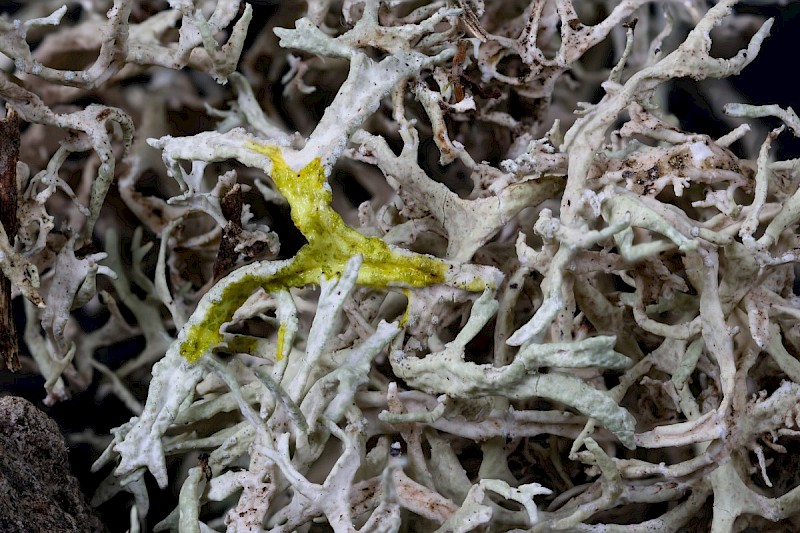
(331, 243)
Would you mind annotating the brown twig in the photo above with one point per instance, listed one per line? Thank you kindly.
(9, 155)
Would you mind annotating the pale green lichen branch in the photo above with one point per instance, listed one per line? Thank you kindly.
(448, 373)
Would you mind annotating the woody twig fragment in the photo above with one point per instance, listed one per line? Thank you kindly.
(9, 155)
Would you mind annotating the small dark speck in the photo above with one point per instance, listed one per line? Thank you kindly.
(575, 24)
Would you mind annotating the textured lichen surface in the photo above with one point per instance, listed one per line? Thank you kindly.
(379, 266)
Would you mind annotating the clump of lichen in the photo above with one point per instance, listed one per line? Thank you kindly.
(395, 274)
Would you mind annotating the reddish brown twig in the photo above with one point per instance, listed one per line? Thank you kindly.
(9, 155)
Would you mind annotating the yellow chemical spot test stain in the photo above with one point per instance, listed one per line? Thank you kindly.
(331, 243)
(281, 341)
